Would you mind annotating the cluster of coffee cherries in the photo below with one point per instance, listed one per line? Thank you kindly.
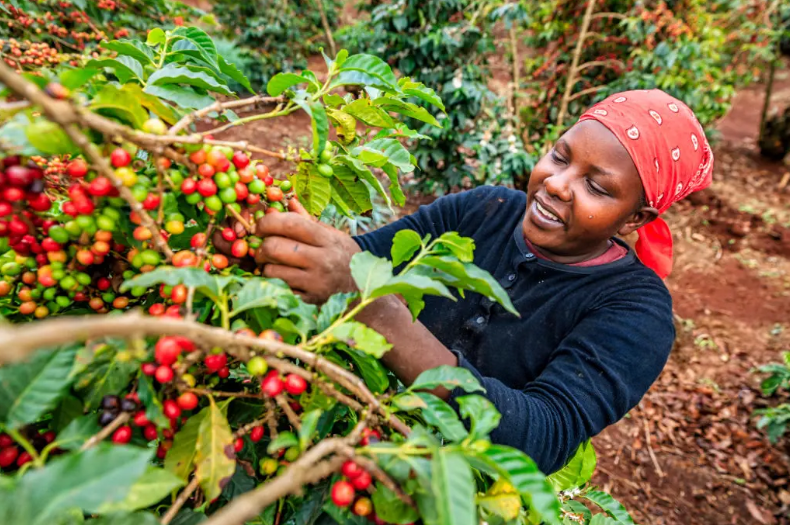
(13, 456)
(344, 491)
(29, 55)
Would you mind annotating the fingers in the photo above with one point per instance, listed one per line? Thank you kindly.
(296, 278)
(293, 226)
(282, 250)
(296, 207)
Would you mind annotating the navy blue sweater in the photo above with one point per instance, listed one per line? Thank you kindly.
(588, 345)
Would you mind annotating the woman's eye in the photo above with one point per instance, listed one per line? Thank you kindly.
(595, 188)
(555, 156)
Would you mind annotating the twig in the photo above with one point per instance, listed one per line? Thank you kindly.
(618, 16)
(14, 106)
(218, 106)
(180, 500)
(106, 431)
(584, 92)
(217, 393)
(516, 75)
(18, 341)
(309, 468)
(375, 471)
(240, 219)
(571, 80)
(289, 413)
(242, 431)
(271, 419)
(650, 450)
(327, 29)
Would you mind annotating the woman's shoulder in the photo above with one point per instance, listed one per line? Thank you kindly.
(636, 286)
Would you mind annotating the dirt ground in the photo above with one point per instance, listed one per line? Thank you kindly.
(690, 452)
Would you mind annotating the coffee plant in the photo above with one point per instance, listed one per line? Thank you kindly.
(439, 44)
(207, 393)
(775, 419)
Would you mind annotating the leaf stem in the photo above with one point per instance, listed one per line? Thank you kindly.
(323, 337)
(22, 440)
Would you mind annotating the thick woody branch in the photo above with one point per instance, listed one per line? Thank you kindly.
(19, 341)
(571, 80)
(106, 431)
(310, 468)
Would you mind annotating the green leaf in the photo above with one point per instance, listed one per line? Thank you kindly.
(461, 247)
(282, 81)
(390, 508)
(449, 377)
(467, 276)
(349, 193)
(366, 70)
(453, 488)
(155, 37)
(69, 409)
(78, 432)
(394, 187)
(404, 245)
(181, 456)
(125, 68)
(283, 440)
(152, 103)
(153, 407)
(230, 70)
(505, 505)
(239, 484)
(75, 78)
(122, 105)
(184, 97)
(406, 108)
(104, 376)
(370, 272)
(333, 101)
(439, 414)
(188, 517)
(135, 518)
(333, 308)
(381, 151)
(192, 75)
(611, 506)
(309, 424)
(359, 169)
(417, 89)
(127, 47)
(262, 293)
(201, 40)
(412, 284)
(346, 124)
(481, 412)
(49, 138)
(207, 284)
(372, 371)
(153, 486)
(86, 480)
(29, 390)
(525, 476)
(577, 471)
(359, 336)
(319, 119)
(215, 460)
(314, 190)
(364, 111)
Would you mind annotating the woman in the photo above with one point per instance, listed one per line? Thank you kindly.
(596, 319)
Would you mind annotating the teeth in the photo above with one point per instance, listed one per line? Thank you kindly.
(547, 213)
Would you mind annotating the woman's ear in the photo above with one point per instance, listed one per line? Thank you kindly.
(643, 216)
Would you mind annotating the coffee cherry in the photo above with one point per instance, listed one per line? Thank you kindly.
(342, 493)
(23, 458)
(150, 433)
(179, 294)
(295, 384)
(122, 435)
(240, 160)
(56, 90)
(369, 436)
(156, 309)
(189, 186)
(148, 369)
(362, 481)
(219, 261)
(239, 248)
(256, 434)
(206, 187)
(171, 409)
(110, 402)
(268, 466)
(105, 418)
(257, 366)
(228, 234)
(272, 385)
(187, 401)
(274, 194)
(351, 470)
(362, 507)
(198, 157)
(223, 372)
(8, 456)
(120, 158)
(198, 240)
(140, 419)
(77, 168)
(154, 126)
(128, 405)
(167, 351)
(164, 374)
(206, 170)
(325, 170)
(215, 362)
(49, 436)
(270, 335)
(6, 441)
(238, 445)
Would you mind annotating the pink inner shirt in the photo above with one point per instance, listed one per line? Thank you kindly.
(614, 253)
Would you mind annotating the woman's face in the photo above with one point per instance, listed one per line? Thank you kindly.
(582, 193)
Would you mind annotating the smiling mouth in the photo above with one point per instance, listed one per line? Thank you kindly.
(547, 214)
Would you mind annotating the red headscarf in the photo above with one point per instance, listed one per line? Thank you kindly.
(671, 154)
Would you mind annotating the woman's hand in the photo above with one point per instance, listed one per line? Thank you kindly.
(311, 257)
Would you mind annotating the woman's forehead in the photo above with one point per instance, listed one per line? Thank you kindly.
(592, 142)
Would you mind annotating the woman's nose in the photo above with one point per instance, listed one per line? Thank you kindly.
(558, 185)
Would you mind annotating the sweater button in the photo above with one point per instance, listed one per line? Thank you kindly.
(480, 320)
(511, 277)
(529, 256)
